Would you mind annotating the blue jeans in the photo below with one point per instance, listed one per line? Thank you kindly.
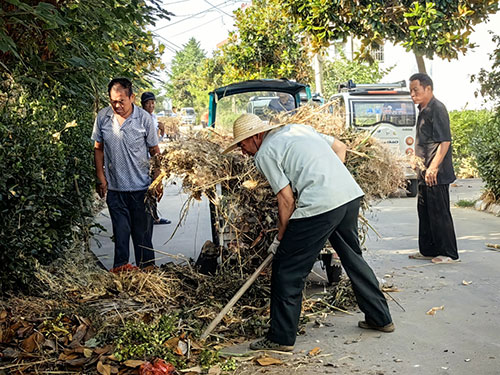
(130, 217)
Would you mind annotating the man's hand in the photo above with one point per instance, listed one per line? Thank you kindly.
(274, 246)
(431, 176)
(101, 187)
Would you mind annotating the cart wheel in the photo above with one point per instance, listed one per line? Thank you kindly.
(333, 272)
(412, 188)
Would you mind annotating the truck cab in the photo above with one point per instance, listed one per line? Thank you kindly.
(387, 111)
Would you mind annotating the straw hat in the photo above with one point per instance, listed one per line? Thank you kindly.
(246, 126)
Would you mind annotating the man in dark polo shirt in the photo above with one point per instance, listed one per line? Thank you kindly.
(436, 234)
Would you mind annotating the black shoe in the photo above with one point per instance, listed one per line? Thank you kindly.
(161, 221)
(266, 344)
(387, 328)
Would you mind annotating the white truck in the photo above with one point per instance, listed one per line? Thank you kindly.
(385, 109)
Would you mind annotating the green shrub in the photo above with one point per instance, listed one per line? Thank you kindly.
(464, 125)
(485, 146)
(46, 183)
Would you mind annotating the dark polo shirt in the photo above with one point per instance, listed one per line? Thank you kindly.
(433, 127)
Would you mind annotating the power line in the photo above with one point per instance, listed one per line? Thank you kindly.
(220, 10)
(176, 47)
(196, 27)
(192, 16)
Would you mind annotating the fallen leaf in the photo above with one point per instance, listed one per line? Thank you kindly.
(3, 314)
(78, 336)
(32, 342)
(466, 282)
(68, 357)
(87, 352)
(171, 343)
(77, 362)
(214, 370)
(192, 370)
(104, 349)
(267, 361)
(390, 289)
(133, 363)
(314, 351)
(103, 369)
(434, 309)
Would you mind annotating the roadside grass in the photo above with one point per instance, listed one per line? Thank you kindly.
(465, 203)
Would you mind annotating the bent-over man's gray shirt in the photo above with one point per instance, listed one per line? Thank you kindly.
(126, 148)
(300, 156)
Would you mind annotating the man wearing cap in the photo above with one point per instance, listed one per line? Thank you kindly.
(124, 138)
(318, 200)
(148, 100)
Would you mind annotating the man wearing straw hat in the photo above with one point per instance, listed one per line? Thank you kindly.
(318, 200)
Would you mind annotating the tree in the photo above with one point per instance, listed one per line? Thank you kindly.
(78, 46)
(490, 79)
(341, 70)
(267, 44)
(183, 85)
(440, 28)
(56, 59)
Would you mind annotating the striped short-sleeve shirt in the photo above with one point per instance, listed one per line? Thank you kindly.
(126, 148)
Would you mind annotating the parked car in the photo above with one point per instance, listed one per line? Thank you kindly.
(188, 116)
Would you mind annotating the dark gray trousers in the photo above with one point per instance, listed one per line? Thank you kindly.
(436, 233)
(130, 218)
(295, 257)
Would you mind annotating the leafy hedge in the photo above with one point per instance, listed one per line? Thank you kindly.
(464, 125)
(46, 182)
(485, 146)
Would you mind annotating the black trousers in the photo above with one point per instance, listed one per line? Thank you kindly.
(130, 218)
(436, 234)
(295, 257)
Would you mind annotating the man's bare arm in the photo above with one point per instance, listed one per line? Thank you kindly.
(286, 206)
(340, 149)
(432, 171)
(102, 184)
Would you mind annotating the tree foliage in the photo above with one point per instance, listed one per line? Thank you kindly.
(267, 44)
(183, 86)
(490, 79)
(56, 58)
(341, 70)
(428, 28)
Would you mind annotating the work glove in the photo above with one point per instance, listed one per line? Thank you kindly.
(274, 246)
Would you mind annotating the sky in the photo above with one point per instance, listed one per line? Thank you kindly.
(210, 21)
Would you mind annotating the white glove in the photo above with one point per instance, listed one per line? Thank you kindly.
(274, 246)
